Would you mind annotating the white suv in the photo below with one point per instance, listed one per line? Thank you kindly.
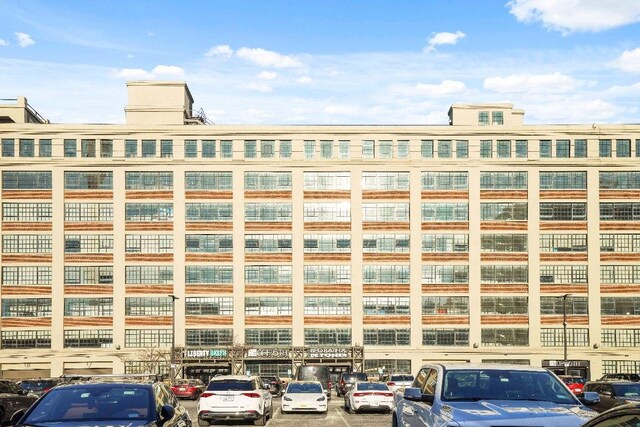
(235, 397)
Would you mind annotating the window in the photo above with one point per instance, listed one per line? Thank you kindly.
(148, 148)
(497, 117)
(444, 306)
(208, 149)
(403, 149)
(279, 212)
(327, 243)
(503, 211)
(563, 148)
(166, 148)
(190, 148)
(619, 274)
(387, 337)
(90, 212)
(385, 150)
(318, 336)
(545, 149)
(26, 307)
(148, 274)
(8, 147)
(426, 148)
(285, 149)
(70, 148)
(388, 181)
(88, 148)
(88, 307)
(445, 243)
(445, 274)
(619, 211)
(208, 180)
(462, 149)
(26, 180)
(27, 212)
(147, 338)
(27, 148)
(148, 306)
(620, 306)
(130, 148)
(486, 149)
(106, 148)
(580, 148)
(149, 212)
(563, 180)
(309, 149)
(326, 149)
(150, 243)
(504, 274)
(226, 149)
(504, 305)
(208, 306)
(26, 243)
(498, 337)
(556, 305)
(267, 306)
(325, 306)
(385, 306)
(209, 337)
(209, 243)
(445, 180)
(563, 211)
(267, 181)
(522, 149)
(26, 275)
(503, 242)
(268, 337)
(385, 243)
(368, 149)
(148, 180)
(92, 338)
(383, 212)
(26, 339)
(504, 149)
(444, 149)
(344, 149)
(88, 243)
(327, 181)
(88, 180)
(445, 211)
(503, 180)
(327, 274)
(331, 212)
(621, 337)
(627, 180)
(250, 149)
(445, 337)
(620, 243)
(563, 274)
(267, 274)
(563, 243)
(267, 149)
(267, 243)
(604, 148)
(385, 274)
(483, 118)
(555, 337)
(209, 274)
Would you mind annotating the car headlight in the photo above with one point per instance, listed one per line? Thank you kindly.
(321, 399)
(288, 399)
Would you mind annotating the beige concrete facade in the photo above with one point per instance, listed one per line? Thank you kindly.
(370, 155)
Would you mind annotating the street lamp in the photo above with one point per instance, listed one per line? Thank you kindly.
(564, 327)
(172, 367)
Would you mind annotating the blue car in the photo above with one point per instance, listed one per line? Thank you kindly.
(482, 395)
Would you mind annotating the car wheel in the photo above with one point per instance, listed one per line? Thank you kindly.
(394, 421)
(203, 423)
(262, 420)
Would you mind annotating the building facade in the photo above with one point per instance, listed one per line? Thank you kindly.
(376, 248)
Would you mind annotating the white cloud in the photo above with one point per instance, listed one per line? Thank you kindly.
(4, 42)
(304, 80)
(445, 88)
(223, 51)
(342, 110)
(519, 83)
(168, 70)
(267, 75)
(267, 58)
(24, 39)
(629, 61)
(569, 16)
(259, 87)
(438, 39)
(132, 74)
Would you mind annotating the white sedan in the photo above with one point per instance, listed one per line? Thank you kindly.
(398, 381)
(369, 396)
(304, 396)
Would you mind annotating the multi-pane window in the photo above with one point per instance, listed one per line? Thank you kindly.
(442, 306)
(278, 212)
(504, 274)
(563, 148)
(444, 274)
(403, 149)
(621, 337)
(576, 180)
(331, 212)
(555, 337)
(268, 337)
(385, 306)
(90, 212)
(310, 149)
(327, 274)
(106, 148)
(26, 339)
(71, 148)
(383, 243)
(503, 242)
(147, 338)
(267, 181)
(285, 149)
(385, 180)
(445, 180)
(620, 306)
(497, 117)
(613, 366)
(426, 148)
(268, 274)
(280, 243)
(26, 307)
(503, 211)
(503, 149)
(8, 147)
(26, 180)
(560, 305)
(190, 148)
(26, 243)
(327, 243)
(148, 306)
(88, 307)
(496, 337)
(208, 306)
(320, 181)
(563, 243)
(563, 211)
(545, 148)
(88, 148)
(445, 243)
(88, 338)
(445, 211)
(209, 274)
(522, 148)
(604, 148)
(88, 180)
(445, 337)
(327, 306)
(130, 148)
(326, 149)
(88, 274)
(250, 149)
(26, 275)
(344, 149)
(486, 149)
(148, 274)
(208, 148)
(620, 243)
(580, 148)
(267, 306)
(387, 337)
(88, 243)
(627, 180)
(619, 274)
(560, 274)
(208, 337)
(623, 148)
(26, 212)
(148, 148)
(387, 274)
(619, 211)
(208, 180)
(208, 243)
(209, 211)
(504, 305)
(462, 149)
(483, 118)
(503, 180)
(444, 149)
(382, 212)
(385, 149)
(321, 336)
(148, 180)
(149, 212)
(150, 243)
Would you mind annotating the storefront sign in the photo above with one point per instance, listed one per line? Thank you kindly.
(327, 353)
(269, 353)
(560, 363)
(212, 353)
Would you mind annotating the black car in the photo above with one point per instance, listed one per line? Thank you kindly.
(12, 399)
(39, 386)
(106, 402)
(347, 380)
(613, 393)
(620, 376)
(274, 383)
(621, 416)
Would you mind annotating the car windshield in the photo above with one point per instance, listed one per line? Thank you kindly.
(627, 390)
(504, 384)
(36, 384)
(304, 388)
(94, 403)
(372, 386)
(574, 380)
(401, 378)
(230, 385)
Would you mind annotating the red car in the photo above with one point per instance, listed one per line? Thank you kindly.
(575, 383)
(188, 389)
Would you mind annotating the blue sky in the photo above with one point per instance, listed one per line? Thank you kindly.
(329, 61)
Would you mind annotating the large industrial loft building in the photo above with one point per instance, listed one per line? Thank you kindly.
(374, 248)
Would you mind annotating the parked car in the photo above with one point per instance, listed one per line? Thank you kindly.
(614, 393)
(106, 402)
(188, 389)
(620, 416)
(304, 396)
(274, 383)
(235, 397)
(38, 386)
(12, 399)
(483, 395)
(397, 381)
(574, 382)
(368, 396)
(620, 376)
(316, 373)
(347, 380)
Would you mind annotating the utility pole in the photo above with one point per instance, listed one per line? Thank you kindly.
(564, 326)
(172, 367)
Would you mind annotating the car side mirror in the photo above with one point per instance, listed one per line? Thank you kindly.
(590, 398)
(166, 413)
(415, 394)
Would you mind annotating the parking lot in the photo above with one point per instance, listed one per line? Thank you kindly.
(336, 416)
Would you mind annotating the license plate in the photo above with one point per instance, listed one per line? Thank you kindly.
(227, 398)
(304, 405)
(183, 389)
(375, 403)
